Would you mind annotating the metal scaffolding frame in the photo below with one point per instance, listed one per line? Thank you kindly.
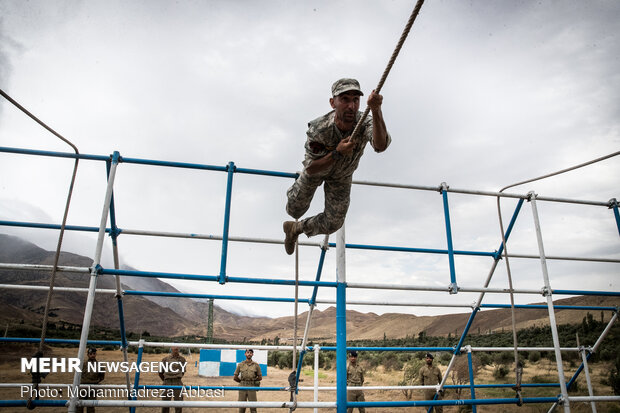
(340, 286)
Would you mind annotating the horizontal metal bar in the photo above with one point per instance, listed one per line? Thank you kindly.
(511, 349)
(476, 192)
(594, 398)
(291, 175)
(189, 235)
(215, 296)
(41, 267)
(452, 402)
(396, 303)
(59, 289)
(53, 154)
(545, 307)
(446, 288)
(57, 341)
(215, 278)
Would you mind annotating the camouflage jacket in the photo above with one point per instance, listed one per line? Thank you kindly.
(355, 375)
(429, 376)
(323, 137)
(92, 376)
(170, 374)
(249, 373)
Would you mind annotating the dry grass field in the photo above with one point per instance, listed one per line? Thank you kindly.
(10, 373)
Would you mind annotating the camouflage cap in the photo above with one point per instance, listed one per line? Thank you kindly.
(346, 85)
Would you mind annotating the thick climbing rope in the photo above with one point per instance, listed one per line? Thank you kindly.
(399, 46)
(518, 366)
(48, 301)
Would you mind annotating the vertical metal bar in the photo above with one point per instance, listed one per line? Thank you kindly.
(319, 270)
(316, 375)
(472, 387)
(136, 380)
(119, 294)
(613, 203)
(231, 169)
(302, 353)
(341, 322)
(457, 349)
(446, 211)
(90, 300)
(552, 322)
(582, 351)
(511, 225)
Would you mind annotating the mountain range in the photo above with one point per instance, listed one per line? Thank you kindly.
(165, 316)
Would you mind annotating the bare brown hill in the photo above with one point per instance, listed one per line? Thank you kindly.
(173, 317)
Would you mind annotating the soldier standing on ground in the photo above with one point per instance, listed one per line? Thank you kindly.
(355, 377)
(431, 376)
(248, 374)
(90, 375)
(172, 377)
(331, 158)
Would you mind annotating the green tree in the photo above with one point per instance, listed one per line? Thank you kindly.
(410, 376)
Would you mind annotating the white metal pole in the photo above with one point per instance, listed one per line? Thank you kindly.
(588, 381)
(341, 322)
(552, 322)
(90, 300)
(316, 375)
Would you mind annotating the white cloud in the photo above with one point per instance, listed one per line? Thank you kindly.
(482, 95)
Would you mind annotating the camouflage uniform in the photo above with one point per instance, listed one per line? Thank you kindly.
(249, 373)
(430, 376)
(322, 138)
(90, 377)
(172, 378)
(355, 377)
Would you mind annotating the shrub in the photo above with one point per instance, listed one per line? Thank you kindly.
(499, 372)
(534, 356)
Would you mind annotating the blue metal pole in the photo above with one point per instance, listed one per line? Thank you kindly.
(341, 347)
(318, 276)
(136, 381)
(299, 365)
(231, 170)
(341, 322)
(218, 297)
(471, 380)
(446, 211)
(614, 205)
(515, 214)
(457, 349)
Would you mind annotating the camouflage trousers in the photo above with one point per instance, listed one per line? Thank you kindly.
(337, 197)
(355, 396)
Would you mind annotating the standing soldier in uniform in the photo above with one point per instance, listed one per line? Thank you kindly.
(90, 375)
(248, 374)
(172, 377)
(355, 377)
(331, 158)
(430, 376)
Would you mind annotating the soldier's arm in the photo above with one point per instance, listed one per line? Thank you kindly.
(236, 376)
(345, 147)
(379, 130)
(259, 374)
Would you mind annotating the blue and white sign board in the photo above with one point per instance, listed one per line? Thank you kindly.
(215, 363)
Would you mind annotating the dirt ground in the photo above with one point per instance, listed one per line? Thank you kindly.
(10, 373)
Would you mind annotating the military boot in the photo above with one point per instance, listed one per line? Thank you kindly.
(292, 229)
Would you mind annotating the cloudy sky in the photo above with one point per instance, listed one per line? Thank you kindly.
(483, 95)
